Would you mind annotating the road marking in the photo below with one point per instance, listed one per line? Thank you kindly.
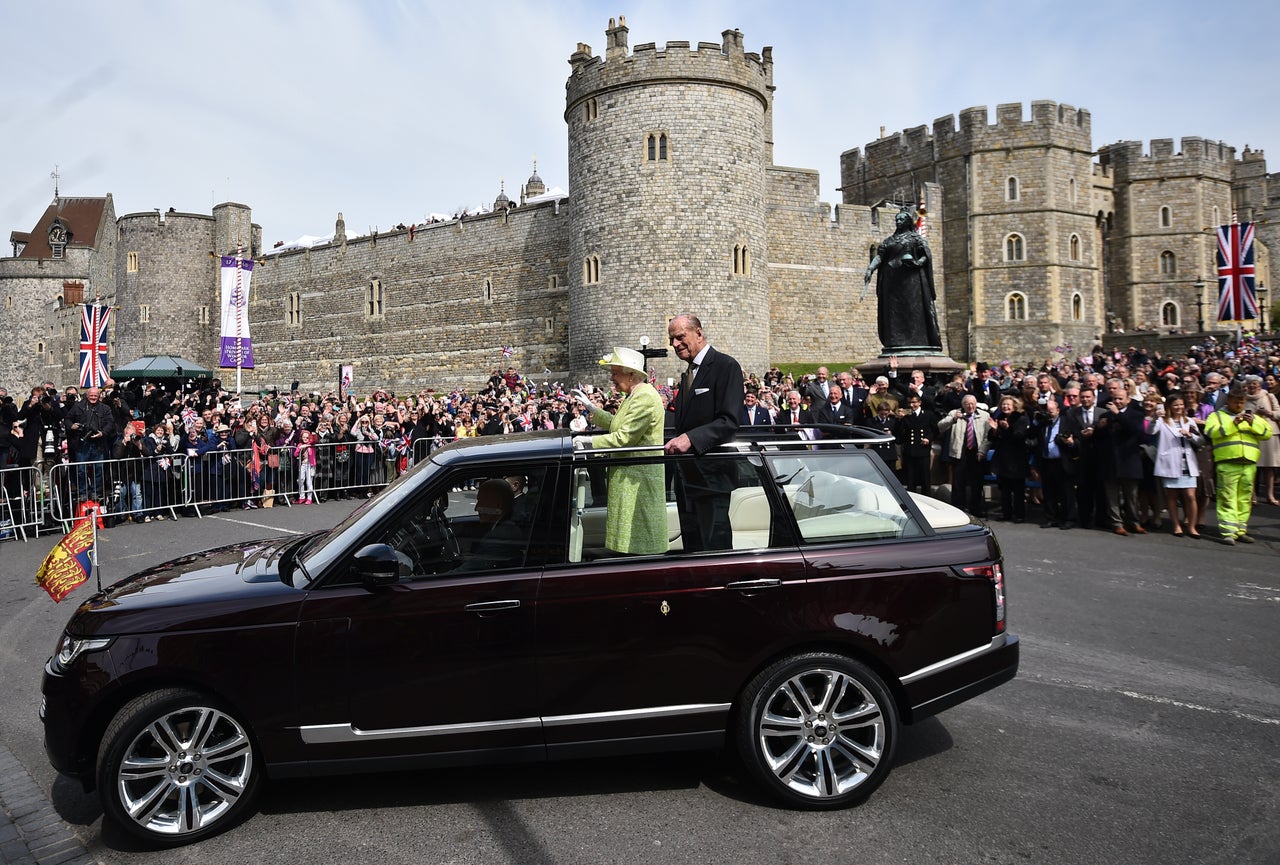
(257, 525)
(1164, 701)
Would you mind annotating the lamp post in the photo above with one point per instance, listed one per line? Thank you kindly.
(1262, 308)
(1199, 287)
(650, 352)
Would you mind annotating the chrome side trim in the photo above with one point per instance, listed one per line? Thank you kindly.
(326, 734)
(635, 714)
(997, 642)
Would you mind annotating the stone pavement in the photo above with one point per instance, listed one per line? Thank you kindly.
(31, 832)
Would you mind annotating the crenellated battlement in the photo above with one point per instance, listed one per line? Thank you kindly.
(1132, 160)
(724, 63)
(1051, 124)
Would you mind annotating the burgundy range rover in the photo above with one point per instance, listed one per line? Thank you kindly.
(805, 607)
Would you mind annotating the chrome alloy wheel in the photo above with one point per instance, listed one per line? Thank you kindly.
(184, 771)
(822, 733)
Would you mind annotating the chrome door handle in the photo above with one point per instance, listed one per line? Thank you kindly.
(491, 606)
(752, 585)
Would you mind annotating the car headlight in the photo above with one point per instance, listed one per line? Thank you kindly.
(70, 648)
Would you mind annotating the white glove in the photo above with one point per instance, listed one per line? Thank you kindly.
(582, 443)
(584, 399)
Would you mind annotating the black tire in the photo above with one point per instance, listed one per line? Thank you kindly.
(175, 767)
(817, 731)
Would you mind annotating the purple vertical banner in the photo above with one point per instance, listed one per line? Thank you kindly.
(237, 347)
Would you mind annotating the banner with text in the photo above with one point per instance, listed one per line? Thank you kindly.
(237, 348)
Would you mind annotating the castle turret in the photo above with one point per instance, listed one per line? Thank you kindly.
(667, 158)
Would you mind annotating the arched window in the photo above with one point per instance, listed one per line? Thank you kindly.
(1166, 217)
(202, 314)
(1169, 316)
(741, 260)
(655, 147)
(1015, 307)
(590, 109)
(488, 291)
(1074, 247)
(40, 349)
(131, 262)
(1168, 263)
(1071, 190)
(144, 313)
(293, 314)
(553, 281)
(1015, 248)
(1011, 190)
(373, 299)
(1077, 307)
(591, 270)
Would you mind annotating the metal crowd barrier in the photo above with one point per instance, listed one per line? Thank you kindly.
(23, 502)
(192, 484)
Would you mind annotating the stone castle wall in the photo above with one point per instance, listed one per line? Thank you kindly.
(451, 298)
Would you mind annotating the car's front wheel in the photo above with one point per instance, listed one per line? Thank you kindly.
(174, 767)
(818, 730)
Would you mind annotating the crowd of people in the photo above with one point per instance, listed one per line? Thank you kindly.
(1117, 440)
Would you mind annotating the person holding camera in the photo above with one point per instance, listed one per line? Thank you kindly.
(1236, 434)
(91, 428)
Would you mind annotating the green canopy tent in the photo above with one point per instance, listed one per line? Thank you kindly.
(151, 366)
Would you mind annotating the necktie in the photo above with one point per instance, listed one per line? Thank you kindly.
(970, 436)
(795, 417)
(686, 383)
(1088, 417)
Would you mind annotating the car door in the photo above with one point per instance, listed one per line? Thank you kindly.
(442, 661)
(652, 649)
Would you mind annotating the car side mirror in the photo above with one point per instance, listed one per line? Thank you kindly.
(379, 565)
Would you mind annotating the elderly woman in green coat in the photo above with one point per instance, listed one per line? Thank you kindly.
(636, 522)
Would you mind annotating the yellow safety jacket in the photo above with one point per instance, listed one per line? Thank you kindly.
(1232, 442)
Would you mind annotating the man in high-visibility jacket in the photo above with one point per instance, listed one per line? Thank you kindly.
(1235, 433)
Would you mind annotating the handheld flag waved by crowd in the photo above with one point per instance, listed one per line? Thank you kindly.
(1237, 273)
(93, 344)
(69, 562)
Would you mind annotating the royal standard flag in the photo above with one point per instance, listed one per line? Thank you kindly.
(68, 563)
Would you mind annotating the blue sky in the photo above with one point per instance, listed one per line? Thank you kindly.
(388, 111)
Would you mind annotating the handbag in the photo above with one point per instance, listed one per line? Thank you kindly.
(273, 460)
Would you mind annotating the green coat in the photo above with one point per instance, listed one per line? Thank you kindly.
(636, 522)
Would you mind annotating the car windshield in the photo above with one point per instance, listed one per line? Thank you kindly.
(315, 549)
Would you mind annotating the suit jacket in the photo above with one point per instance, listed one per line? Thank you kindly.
(1117, 437)
(709, 414)
(840, 413)
(987, 392)
(755, 416)
(953, 428)
(784, 416)
(814, 394)
(856, 399)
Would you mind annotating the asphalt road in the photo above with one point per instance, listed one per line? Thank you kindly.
(1144, 727)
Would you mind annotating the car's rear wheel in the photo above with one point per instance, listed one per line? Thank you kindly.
(175, 767)
(818, 730)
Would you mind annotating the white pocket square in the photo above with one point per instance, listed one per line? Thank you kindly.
(699, 391)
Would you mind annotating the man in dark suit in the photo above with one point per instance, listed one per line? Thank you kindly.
(1082, 468)
(855, 395)
(917, 386)
(916, 433)
(1053, 455)
(754, 414)
(707, 411)
(1118, 434)
(835, 410)
(711, 390)
(985, 388)
(816, 391)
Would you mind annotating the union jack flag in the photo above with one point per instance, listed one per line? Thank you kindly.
(93, 344)
(1237, 274)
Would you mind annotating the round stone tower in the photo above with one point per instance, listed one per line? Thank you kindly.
(167, 280)
(667, 157)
